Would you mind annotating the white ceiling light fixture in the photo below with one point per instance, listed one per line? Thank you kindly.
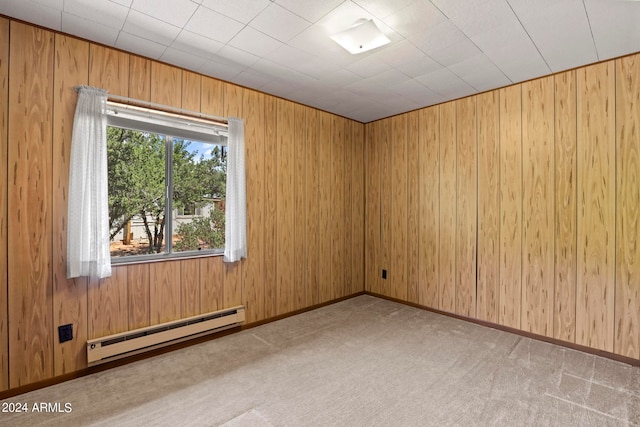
(362, 37)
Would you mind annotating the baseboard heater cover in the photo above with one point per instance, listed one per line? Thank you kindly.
(112, 347)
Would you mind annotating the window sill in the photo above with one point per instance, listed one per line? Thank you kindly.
(147, 259)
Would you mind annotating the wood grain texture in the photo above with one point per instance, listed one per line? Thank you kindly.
(312, 206)
(488, 289)
(299, 210)
(347, 224)
(385, 144)
(324, 200)
(211, 284)
(466, 206)
(191, 90)
(271, 203)
(212, 96)
(398, 197)
(596, 206)
(69, 295)
(164, 291)
(448, 213)
(627, 290)
(109, 70)
(139, 78)
(372, 210)
(538, 206)
(253, 268)
(510, 206)
(285, 199)
(429, 200)
(138, 297)
(4, 146)
(30, 204)
(166, 84)
(413, 205)
(189, 287)
(233, 100)
(107, 304)
(337, 208)
(357, 207)
(565, 207)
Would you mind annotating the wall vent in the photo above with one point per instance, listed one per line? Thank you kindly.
(125, 344)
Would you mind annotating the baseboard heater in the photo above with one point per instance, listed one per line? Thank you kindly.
(125, 344)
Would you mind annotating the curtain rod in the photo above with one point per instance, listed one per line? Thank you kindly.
(166, 108)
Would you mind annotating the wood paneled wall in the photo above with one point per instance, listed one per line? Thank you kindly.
(528, 206)
(305, 203)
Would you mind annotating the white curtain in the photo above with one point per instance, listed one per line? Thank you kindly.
(88, 251)
(235, 246)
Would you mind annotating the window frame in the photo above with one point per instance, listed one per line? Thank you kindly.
(170, 126)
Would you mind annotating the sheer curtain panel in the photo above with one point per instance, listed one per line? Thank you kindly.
(235, 247)
(88, 216)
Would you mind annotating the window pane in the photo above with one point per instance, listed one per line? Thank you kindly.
(137, 186)
(199, 178)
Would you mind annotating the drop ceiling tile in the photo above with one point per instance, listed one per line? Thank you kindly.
(240, 10)
(252, 79)
(454, 53)
(221, 71)
(345, 16)
(253, 41)
(213, 25)
(234, 56)
(439, 37)
(416, 18)
(383, 8)
(446, 83)
(311, 10)
(478, 16)
(126, 3)
(196, 44)
(182, 59)
(175, 12)
(54, 4)
(139, 45)
(288, 56)
(149, 28)
(31, 12)
(452, 7)
(379, 84)
(407, 58)
(340, 78)
(369, 66)
(316, 40)
(615, 26)
(109, 13)
(480, 73)
(90, 30)
(416, 91)
(279, 23)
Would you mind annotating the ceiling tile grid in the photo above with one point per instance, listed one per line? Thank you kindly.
(440, 49)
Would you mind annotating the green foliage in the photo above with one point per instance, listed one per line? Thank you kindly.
(202, 233)
(137, 183)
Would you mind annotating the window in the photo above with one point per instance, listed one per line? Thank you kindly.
(167, 178)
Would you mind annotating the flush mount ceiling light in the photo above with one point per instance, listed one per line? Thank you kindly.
(363, 36)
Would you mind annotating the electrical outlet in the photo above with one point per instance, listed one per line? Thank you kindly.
(65, 332)
(384, 274)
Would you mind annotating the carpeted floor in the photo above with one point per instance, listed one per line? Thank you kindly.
(361, 362)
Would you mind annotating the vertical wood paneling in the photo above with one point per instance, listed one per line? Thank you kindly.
(447, 250)
(4, 111)
(212, 96)
(538, 206)
(372, 211)
(347, 222)
(429, 200)
(466, 206)
(69, 295)
(30, 204)
(107, 304)
(109, 70)
(510, 206)
(233, 100)
(166, 84)
(627, 290)
(211, 284)
(324, 199)
(164, 302)
(138, 283)
(189, 287)
(596, 206)
(398, 208)
(299, 214)
(312, 206)
(385, 143)
(337, 208)
(191, 90)
(413, 206)
(565, 207)
(270, 214)
(285, 211)
(253, 268)
(488, 289)
(139, 78)
(357, 207)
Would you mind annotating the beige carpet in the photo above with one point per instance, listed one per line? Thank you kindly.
(360, 362)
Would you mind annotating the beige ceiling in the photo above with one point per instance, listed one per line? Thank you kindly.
(439, 50)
